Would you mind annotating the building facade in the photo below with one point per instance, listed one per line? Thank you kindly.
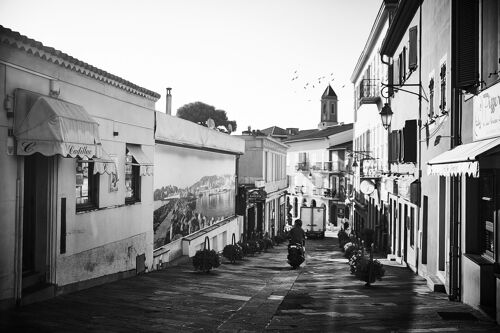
(263, 183)
(76, 162)
(318, 164)
(443, 145)
(370, 144)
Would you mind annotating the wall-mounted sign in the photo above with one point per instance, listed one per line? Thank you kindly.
(257, 195)
(367, 187)
(486, 112)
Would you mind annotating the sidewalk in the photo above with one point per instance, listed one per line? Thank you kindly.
(261, 293)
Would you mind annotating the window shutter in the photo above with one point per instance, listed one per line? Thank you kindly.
(390, 75)
(410, 141)
(400, 150)
(467, 42)
(396, 72)
(412, 52)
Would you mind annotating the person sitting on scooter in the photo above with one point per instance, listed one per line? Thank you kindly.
(297, 235)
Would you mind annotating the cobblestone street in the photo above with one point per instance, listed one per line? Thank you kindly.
(259, 294)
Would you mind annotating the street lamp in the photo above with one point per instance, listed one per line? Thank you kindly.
(386, 115)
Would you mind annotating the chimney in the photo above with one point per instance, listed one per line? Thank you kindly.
(169, 101)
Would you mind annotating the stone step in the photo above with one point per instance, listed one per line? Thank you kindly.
(435, 284)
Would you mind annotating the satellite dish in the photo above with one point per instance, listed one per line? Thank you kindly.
(210, 123)
(229, 128)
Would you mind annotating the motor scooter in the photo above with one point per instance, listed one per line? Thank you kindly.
(296, 255)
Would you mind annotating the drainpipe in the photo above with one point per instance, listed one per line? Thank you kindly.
(456, 181)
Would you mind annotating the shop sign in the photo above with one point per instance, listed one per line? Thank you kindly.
(486, 113)
(257, 195)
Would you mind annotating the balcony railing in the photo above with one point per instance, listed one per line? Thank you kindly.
(302, 166)
(338, 166)
(369, 91)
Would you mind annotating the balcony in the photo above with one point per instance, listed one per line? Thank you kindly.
(302, 166)
(338, 166)
(369, 91)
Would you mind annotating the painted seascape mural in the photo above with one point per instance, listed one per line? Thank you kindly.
(192, 190)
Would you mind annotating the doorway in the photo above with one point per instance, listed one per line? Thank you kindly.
(36, 212)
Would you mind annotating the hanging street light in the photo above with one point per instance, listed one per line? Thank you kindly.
(386, 115)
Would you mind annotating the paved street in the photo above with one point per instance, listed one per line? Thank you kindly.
(260, 294)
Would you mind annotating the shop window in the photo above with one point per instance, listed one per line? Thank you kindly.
(87, 185)
(132, 180)
(487, 209)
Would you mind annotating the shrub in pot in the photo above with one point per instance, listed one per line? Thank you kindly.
(233, 251)
(349, 249)
(206, 259)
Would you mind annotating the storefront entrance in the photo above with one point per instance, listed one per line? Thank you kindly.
(36, 221)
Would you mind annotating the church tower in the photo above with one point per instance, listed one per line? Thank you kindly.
(329, 110)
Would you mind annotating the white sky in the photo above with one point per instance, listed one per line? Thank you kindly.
(237, 55)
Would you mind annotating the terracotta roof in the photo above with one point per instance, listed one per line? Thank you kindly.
(320, 134)
(275, 131)
(35, 48)
(329, 92)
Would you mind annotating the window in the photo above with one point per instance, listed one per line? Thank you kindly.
(87, 185)
(333, 108)
(467, 43)
(132, 180)
(442, 75)
(490, 41)
(402, 66)
(431, 97)
(412, 227)
(487, 211)
(412, 52)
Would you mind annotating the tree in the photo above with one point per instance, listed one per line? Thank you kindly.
(199, 112)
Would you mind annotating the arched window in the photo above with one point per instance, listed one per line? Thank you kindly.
(304, 203)
(313, 203)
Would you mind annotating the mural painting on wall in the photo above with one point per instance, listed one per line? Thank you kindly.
(193, 189)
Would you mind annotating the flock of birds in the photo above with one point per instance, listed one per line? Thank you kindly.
(314, 83)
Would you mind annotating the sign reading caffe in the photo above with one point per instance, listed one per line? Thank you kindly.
(257, 195)
(486, 122)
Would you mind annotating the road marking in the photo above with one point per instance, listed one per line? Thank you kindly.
(228, 296)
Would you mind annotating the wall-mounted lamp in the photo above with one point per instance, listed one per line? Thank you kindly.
(355, 164)
(386, 116)
(437, 140)
(54, 89)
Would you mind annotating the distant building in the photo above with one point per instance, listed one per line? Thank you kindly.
(262, 179)
(318, 164)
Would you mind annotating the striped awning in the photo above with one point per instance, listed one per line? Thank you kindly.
(463, 159)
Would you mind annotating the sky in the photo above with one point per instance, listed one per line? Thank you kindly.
(259, 60)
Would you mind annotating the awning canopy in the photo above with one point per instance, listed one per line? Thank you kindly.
(104, 164)
(146, 167)
(56, 127)
(462, 159)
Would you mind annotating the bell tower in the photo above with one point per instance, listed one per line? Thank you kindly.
(329, 110)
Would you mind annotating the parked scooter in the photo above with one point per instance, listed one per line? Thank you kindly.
(296, 255)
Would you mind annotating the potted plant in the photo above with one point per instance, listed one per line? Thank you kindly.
(233, 251)
(206, 259)
(349, 249)
(369, 270)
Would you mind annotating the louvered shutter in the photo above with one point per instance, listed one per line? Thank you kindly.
(412, 52)
(410, 141)
(467, 42)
